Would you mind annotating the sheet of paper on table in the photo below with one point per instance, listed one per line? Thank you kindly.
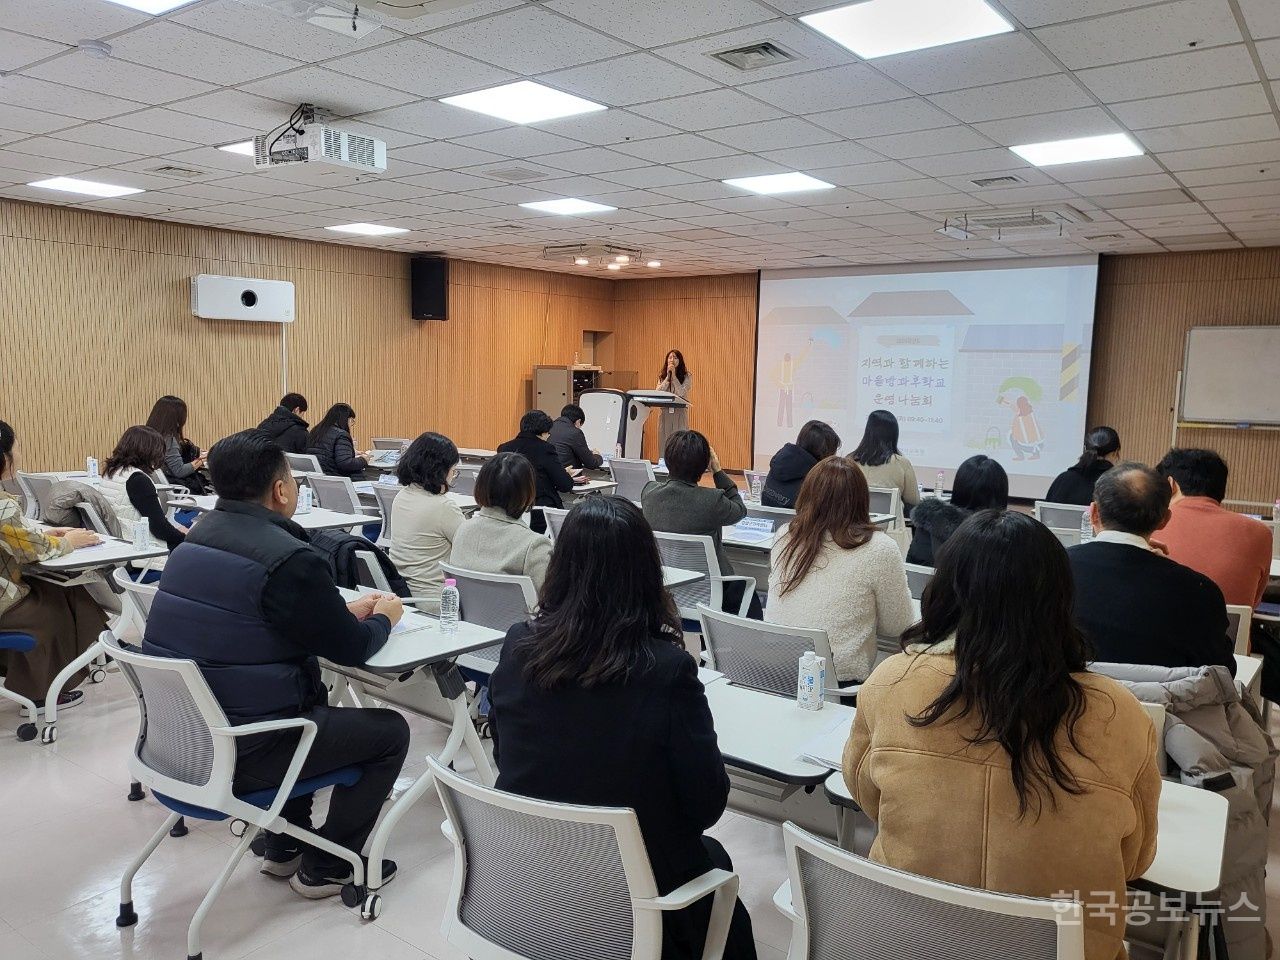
(827, 748)
(753, 529)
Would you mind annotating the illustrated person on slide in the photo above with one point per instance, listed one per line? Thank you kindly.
(784, 375)
(1024, 432)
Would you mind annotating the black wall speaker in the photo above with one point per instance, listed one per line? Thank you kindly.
(429, 277)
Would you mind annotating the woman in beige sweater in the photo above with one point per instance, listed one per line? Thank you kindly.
(880, 460)
(988, 756)
(832, 570)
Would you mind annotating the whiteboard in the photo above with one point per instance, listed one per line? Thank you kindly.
(1229, 375)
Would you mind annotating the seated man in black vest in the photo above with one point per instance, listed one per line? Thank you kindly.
(254, 606)
(1132, 602)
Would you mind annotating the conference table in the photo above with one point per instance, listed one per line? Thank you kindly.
(317, 518)
(111, 552)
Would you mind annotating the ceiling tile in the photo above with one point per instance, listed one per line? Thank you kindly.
(973, 161)
(840, 154)
(1269, 54)
(239, 108)
(602, 129)
(1060, 125)
(442, 153)
(1134, 191)
(343, 96)
(18, 50)
(1152, 31)
(1009, 56)
(866, 173)
(517, 142)
(831, 89)
(32, 164)
(82, 153)
(737, 165)
(715, 108)
(431, 120)
(1180, 73)
(117, 78)
(1179, 108)
(471, 10)
(181, 50)
(1262, 16)
(266, 29)
(13, 117)
(811, 50)
(170, 123)
(30, 93)
(1211, 133)
(421, 68)
(649, 177)
(771, 135)
(529, 41)
(627, 80)
(1103, 169)
(1247, 173)
(1264, 152)
(591, 160)
(684, 146)
(927, 143)
(650, 23)
(1020, 98)
(883, 119)
(68, 21)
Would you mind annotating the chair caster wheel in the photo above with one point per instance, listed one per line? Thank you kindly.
(128, 916)
(97, 675)
(179, 829)
(49, 734)
(136, 792)
(352, 895)
(371, 909)
(26, 731)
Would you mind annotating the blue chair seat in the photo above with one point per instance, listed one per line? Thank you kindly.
(342, 777)
(20, 642)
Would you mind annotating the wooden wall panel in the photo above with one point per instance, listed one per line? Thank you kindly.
(712, 321)
(1146, 304)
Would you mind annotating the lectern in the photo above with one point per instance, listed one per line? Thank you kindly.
(616, 418)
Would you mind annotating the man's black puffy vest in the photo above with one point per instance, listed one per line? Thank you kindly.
(208, 608)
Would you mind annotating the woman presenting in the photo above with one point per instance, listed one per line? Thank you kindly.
(674, 378)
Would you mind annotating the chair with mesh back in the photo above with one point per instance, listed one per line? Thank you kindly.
(887, 500)
(186, 753)
(465, 481)
(918, 577)
(630, 476)
(534, 880)
(686, 551)
(36, 490)
(1059, 516)
(1068, 538)
(385, 494)
(843, 907)
(1239, 620)
(555, 520)
(760, 655)
(304, 462)
(337, 494)
(495, 600)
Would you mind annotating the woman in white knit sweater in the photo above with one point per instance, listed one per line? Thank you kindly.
(833, 570)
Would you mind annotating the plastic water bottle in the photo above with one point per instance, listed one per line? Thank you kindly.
(449, 607)
(91, 469)
(807, 689)
(1086, 526)
(304, 499)
(1275, 511)
(617, 451)
(141, 534)
(756, 486)
(938, 482)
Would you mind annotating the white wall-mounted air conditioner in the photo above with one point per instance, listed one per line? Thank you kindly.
(241, 298)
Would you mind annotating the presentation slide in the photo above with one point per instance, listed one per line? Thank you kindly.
(985, 358)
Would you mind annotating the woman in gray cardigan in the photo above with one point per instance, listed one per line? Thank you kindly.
(496, 539)
(169, 418)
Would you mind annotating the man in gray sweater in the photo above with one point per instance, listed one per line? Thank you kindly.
(679, 505)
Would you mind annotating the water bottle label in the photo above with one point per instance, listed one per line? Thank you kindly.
(141, 534)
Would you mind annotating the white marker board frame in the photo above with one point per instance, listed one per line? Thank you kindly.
(1229, 376)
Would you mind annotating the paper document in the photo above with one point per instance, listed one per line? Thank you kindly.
(827, 749)
(752, 530)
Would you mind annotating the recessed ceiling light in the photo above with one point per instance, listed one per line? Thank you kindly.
(622, 258)
(154, 7)
(655, 263)
(567, 206)
(90, 187)
(244, 149)
(581, 261)
(524, 102)
(780, 183)
(367, 229)
(614, 266)
(1078, 150)
(879, 28)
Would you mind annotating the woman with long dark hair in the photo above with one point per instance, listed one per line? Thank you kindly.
(980, 484)
(882, 462)
(674, 377)
(832, 570)
(330, 443)
(182, 458)
(790, 465)
(128, 484)
(1075, 484)
(596, 702)
(65, 621)
(989, 756)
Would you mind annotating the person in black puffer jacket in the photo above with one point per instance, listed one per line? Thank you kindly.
(285, 424)
(1075, 484)
(330, 443)
(790, 465)
(980, 484)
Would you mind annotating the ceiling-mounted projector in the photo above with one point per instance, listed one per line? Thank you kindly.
(304, 138)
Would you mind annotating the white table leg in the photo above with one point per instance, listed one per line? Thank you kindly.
(48, 732)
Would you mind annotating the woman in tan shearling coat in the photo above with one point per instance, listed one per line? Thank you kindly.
(986, 753)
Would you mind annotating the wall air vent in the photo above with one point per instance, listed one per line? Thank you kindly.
(756, 56)
(1006, 181)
